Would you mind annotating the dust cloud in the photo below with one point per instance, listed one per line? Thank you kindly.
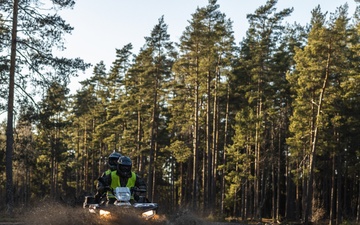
(59, 214)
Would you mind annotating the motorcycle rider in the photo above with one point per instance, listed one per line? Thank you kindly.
(122, 177)
(112, 162)
(112, 166)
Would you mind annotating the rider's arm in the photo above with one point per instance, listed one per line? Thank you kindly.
(101, 187)
(103, 183)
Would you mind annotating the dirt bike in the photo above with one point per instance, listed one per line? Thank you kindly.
(124, 203)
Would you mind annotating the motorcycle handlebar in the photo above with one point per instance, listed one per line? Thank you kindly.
(138, 189)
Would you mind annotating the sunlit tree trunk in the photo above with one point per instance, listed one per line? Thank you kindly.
(153, 137)
(312, 156)
(244, 199)
(139, 139)
(86, 158)
(215, 142)
(207, 188)
(257, 170)
(195, 145)
(223, 186)
(77, 158)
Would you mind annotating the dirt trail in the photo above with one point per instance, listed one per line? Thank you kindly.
(58, 214)
(12, 223)
(47, 213)
(166, 223)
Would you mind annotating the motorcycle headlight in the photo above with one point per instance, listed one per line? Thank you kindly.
(104, 213)
(148, 214)
(92, 208)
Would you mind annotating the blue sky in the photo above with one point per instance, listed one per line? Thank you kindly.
(101, 26)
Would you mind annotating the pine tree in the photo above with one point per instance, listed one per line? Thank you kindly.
(321, 68)
(82, 111)
(114, 83)
(34, 33)
(206, 50)
(137, 92)
(162, 52)
(263, 91)
(51, 130)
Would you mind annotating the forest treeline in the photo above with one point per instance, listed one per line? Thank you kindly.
(266, 128)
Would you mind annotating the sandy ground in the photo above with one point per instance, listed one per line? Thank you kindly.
(57, 214)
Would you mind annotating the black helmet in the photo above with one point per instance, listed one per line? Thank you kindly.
(112, 160)
(124, 166)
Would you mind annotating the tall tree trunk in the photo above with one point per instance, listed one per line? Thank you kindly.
(52, 165)
(332, 192)
(10, 116)
(273, 199)
(153, 138)
(173, 191)
(235, 204)
(182, 185)
(358, 203)
(301, 196)
(288, 192)
(195, 144)
(291, 192)
(273, 173)
(244, 199)
(339, 185)
(139, 140)
(215, 144)
(154, 172)
(86, 159)
(312, 157)
(279, 179)
(249, 192)
(223, 152)
(208, 195)
(257, 171)
(77, 159)
(204, 178)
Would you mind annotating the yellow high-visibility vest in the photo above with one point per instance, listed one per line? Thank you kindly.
(115, 182)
